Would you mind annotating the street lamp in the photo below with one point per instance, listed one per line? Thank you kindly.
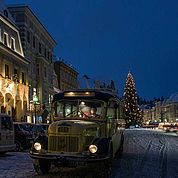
(35, 102)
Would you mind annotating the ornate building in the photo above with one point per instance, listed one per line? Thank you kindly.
(38, 48)
(66, 75)
(14, 93)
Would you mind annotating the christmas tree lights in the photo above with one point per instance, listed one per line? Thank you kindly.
(132, 110)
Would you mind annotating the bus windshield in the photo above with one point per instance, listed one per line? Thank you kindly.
(78, 108)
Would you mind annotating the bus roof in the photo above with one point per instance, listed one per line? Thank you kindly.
(84, 94)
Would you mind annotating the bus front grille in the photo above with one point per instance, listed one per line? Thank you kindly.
(63, 144)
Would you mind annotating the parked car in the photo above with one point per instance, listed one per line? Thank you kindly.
(6, 134)
(23, 136)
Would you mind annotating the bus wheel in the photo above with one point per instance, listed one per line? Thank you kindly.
(120, 150)
(108, 163)
(42, 166)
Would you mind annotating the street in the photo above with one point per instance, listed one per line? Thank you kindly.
(147, 153)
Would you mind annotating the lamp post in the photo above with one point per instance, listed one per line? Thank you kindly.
(35, 102)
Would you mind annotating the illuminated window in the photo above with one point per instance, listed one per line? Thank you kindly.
(16, 75)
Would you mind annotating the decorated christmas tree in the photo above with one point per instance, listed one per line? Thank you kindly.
(132, 111)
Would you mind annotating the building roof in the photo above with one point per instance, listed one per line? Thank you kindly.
(173, 98)
(85, 94)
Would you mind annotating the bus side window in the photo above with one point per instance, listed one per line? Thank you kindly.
(110, 113)
(112, 110)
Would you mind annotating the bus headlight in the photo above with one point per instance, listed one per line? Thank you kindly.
(93, 148)
(37, 146)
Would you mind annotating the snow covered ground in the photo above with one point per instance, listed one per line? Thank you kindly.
(147, 153)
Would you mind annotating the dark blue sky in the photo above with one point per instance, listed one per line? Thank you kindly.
(106, 38)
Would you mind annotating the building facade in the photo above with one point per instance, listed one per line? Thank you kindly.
(38, 46)
(66, 75)
(14, 92)
(163, 111)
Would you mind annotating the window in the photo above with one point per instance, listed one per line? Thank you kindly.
(45, 72)
(28, 36)
(48, 55)
(112, 110)
(45, 52)
(0, 36)
(5, 39)
(23, 78)
(34, 42)
(12, 43)
(15, 76)
(38, 69)
(6, 13)
(40, 48)
(51, 58)
(6, 71)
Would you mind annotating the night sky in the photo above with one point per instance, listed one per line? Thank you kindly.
(105, 39)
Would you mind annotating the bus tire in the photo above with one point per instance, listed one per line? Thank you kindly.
(42, 166)
(120, 150)
(108, 163)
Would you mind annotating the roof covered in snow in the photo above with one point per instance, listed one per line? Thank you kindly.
(4, 8)
(173, 98)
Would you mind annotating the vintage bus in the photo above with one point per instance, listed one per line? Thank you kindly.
(6, 134)
(88, 127)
